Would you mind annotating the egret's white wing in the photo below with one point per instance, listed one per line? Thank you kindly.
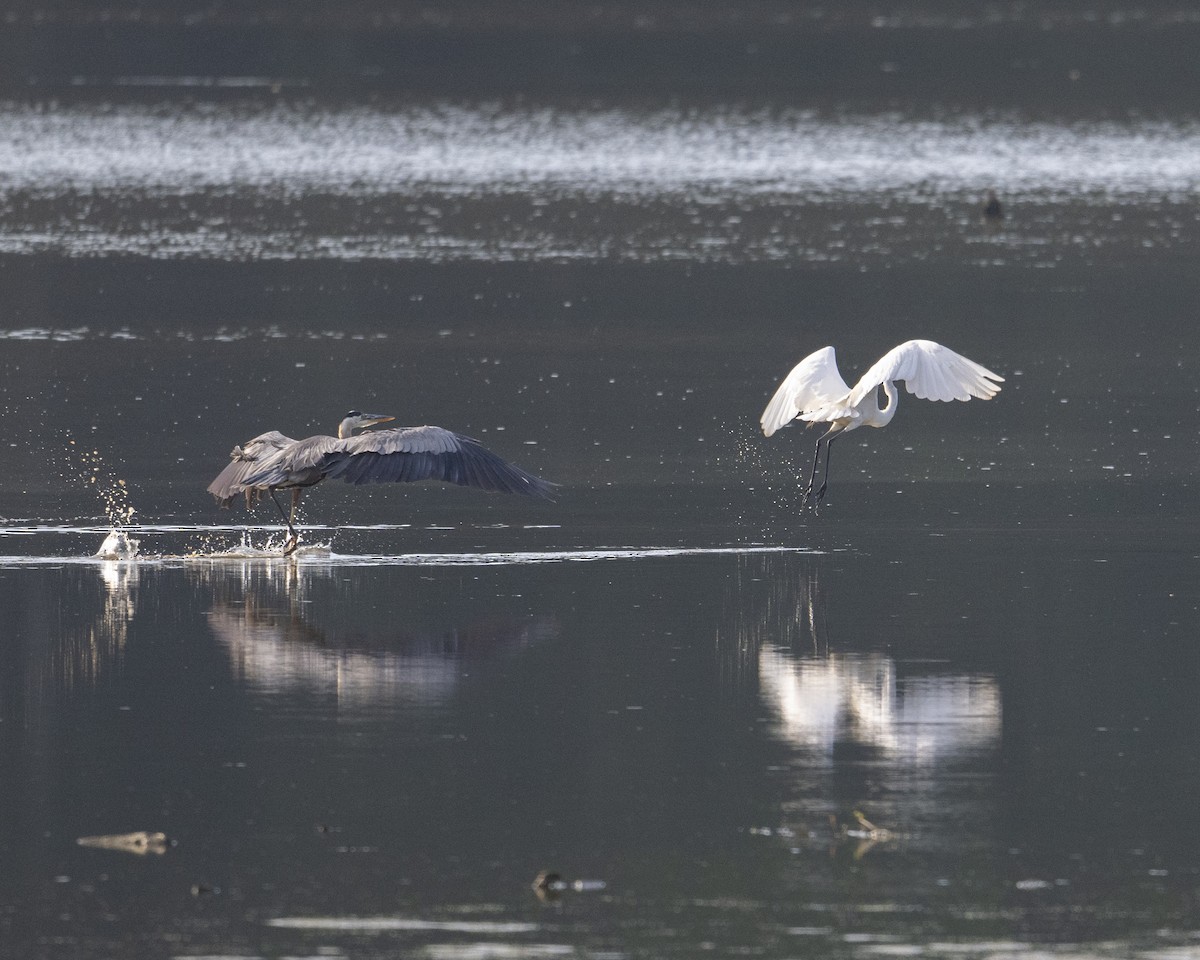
(929, 371)
(813, 383)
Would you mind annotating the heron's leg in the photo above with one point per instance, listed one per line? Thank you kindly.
(293, 537)
(292, 518)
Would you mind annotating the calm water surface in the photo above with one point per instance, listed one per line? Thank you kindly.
(953, 714)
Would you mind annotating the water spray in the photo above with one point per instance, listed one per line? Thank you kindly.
(113, 494)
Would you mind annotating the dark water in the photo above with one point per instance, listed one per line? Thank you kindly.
(953, 714)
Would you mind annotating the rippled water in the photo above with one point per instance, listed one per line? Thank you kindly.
(950, 714)
(741, 749)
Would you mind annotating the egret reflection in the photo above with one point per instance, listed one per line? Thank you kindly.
(289, 627)
(825, 694)
(821, 703)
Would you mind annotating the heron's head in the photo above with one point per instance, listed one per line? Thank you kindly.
(357, 420)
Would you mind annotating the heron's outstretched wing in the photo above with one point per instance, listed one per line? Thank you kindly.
(245, 459)
(929, 371)
(813, 383)
(409, 454)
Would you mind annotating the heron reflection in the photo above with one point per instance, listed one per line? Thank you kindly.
(287, 628)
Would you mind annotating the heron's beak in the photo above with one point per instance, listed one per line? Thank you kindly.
(373, 418)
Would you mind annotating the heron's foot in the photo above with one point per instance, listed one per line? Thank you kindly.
(821, 492)
(291, 544)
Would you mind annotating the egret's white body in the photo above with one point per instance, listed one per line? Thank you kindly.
(815, 392)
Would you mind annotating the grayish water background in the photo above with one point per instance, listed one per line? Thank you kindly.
(671, 679)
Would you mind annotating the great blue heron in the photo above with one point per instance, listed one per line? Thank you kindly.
(814, 391)
(273, 462)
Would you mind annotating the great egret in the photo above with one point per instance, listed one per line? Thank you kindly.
(815, 392)
(273, 462)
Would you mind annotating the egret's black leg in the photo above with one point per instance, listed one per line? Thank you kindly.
(825, 439)
(828, 454)
(812, 477)
(293, 537)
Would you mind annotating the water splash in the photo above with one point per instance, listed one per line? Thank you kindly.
(89, 468)
(118, 546)
(215, 548)
(112, 491)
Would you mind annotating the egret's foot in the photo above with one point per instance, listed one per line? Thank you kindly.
(812, 498)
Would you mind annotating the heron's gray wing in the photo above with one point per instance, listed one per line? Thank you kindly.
(300, 463)
(409, 454)
(245, 459)
(813, 384)
(931, 372)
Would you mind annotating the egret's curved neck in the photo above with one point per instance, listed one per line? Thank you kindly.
(885, 414)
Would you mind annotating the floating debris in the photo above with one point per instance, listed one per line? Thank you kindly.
(993, 212)
(118, 545)
(867, 830)
(862, 830)
(549, 885)
(140, 842)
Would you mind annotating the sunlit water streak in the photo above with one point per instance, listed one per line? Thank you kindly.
(502, 182)
(456, 148)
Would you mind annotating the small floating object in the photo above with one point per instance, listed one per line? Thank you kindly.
(140, 842)
(865, 830)
(549, 885)
(118, 546)
(204, 890)
(992, 211)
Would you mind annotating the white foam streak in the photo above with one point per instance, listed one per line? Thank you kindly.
(319, 554)
(387, 924)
